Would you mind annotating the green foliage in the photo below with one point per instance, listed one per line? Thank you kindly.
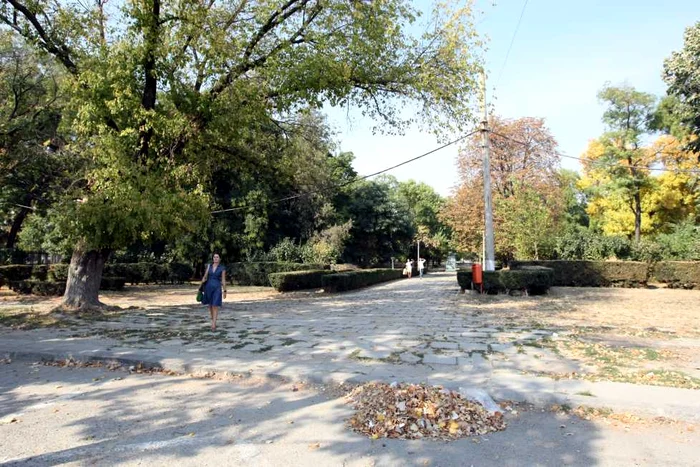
(327, 246)
(381, 222)
(683, 243)
(16, 272)
(351, 280)
(286, 251)
(298, 280)
(256, 273)
(37, 287)
(682, 75)
(585, 244)
(529, 224)
(164, 103)
(677, 274)
(593, 273)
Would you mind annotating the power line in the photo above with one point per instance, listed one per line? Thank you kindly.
(355, 180)
(512, 41)
(584, 159)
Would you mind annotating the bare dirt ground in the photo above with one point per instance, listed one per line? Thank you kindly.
(142, 296)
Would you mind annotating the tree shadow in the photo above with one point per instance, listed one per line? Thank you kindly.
(161, 419)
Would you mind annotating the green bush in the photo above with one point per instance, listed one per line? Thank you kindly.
(58, 272)
(40, 272)
(16, 272)
(112, 283)
(593, 273)
(678, 274)
(584, 244)
(256, 273)
(298, 280)
(150, 273)
(356, 279)
(533, 280)
(36, 287)
(179, 273)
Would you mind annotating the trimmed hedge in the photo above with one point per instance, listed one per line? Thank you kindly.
(133, 273)
(533, 280)
(593, 273)
(298, 280)
(677, 274)
(257, 273)
(150, 273)
(350, 280)
(16, 272)
(112, 283)
(58, 288)
(35, 287)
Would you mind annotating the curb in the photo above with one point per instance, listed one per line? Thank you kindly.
(498, 390)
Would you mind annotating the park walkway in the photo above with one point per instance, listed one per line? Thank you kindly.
(409, 330)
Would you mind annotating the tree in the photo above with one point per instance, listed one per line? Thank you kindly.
(620, 160)
(524, 163)
(162, 96)
(682, 75)
(382, 226)
(425, 204)
(32, 167)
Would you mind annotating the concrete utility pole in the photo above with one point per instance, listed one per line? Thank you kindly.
(489, 250)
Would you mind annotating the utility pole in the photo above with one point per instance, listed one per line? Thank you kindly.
(489, 250)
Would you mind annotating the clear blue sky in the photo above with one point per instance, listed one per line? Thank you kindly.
(563, 53)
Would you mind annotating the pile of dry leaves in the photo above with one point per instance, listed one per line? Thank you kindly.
(412, 411)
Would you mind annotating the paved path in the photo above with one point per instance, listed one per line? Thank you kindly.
(409, 330)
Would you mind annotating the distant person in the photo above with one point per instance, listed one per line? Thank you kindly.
(214, 282)
(409, 268)
(421, 266)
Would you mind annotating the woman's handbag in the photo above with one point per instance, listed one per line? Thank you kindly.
(200, 293)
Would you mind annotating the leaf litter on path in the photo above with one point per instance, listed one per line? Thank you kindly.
(415, 411)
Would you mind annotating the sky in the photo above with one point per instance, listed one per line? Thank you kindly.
(563, 53)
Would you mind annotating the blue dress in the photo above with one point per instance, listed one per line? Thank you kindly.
(212, 288)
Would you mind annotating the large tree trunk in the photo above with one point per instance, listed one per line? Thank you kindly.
(84, 277)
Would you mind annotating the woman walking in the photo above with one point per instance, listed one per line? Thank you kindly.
(214, 281)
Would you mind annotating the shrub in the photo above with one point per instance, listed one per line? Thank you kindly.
(584, 244)
(112, 283)
(46, 288)
(16, 272)
(355, 279)
(257, 273)
(678, 274)
(533, 280)
(58, 272)
(593, 273)
(298, 280)
(179, 273)
(40, 272)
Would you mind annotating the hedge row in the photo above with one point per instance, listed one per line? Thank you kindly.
(593, 273)
(533, 280)
(58, 288)
(677, 274)
(133, 273)
(257, 273)
(350, 280)
(298, 280)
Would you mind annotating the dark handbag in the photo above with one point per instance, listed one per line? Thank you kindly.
(200, 293)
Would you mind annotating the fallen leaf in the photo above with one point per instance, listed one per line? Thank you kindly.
(314, 446)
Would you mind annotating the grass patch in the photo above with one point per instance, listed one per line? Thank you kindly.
(585, 393)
